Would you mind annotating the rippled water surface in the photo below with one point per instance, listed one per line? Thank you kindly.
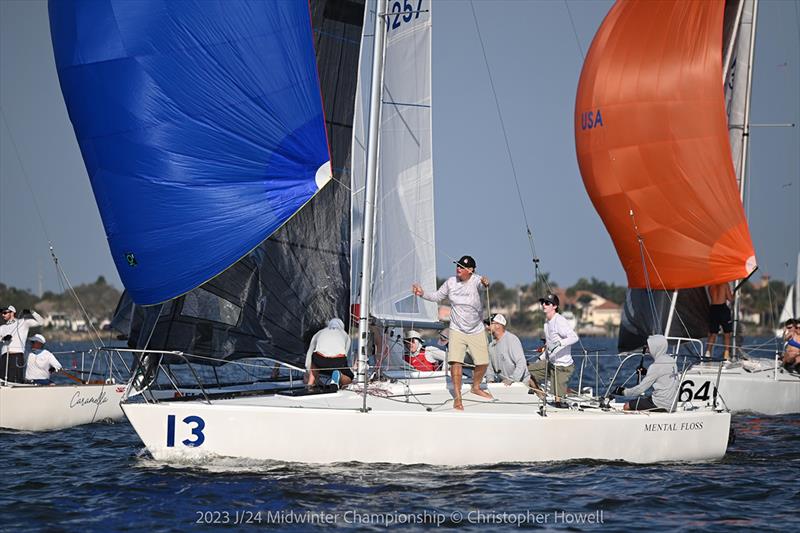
(98, 477)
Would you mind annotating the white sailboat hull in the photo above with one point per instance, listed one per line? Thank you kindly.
(741, 391)
(40, 408)
(331, 429)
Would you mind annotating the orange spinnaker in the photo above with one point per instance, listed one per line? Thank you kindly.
(651, 136)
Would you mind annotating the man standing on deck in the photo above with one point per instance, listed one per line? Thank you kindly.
(14, 335)
(466, 324)
(719, 316)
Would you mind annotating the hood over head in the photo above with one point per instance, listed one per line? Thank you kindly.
(657, 345)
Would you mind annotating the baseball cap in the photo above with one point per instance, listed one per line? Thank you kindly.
(39, 338)
(10, 308)
(550, 298)
(500, 319)
(466, 261)
(412, 334)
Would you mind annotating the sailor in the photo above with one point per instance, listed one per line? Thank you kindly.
(327, 354)
(466, 326)
(416, 353)
(506, 354)
(791, 351)
(662, 375)
(719, 316)
(40, 362)
(556, 359)
(14, 335)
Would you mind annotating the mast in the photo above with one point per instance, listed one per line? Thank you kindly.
(370, 193)
(745, 146)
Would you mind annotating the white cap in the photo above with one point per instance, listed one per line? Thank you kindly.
(412, 334)
(11, 308)
(39, 338)
(500, 319)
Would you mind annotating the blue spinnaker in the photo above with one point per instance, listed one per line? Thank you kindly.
(200, 124)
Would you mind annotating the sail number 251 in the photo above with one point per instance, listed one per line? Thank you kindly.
(197, 425)
(402, 12)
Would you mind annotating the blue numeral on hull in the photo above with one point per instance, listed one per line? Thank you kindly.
(170, 431)
(197, 431)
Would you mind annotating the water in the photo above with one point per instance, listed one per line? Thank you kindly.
(99, 477)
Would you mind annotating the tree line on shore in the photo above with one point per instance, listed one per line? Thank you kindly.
(763, 297)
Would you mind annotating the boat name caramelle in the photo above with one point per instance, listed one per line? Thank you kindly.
(77, 400)
(683, 426)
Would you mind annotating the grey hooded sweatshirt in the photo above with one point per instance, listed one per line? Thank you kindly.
(662, 375)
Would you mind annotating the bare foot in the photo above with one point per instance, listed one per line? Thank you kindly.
(482, 393)
(458, 405)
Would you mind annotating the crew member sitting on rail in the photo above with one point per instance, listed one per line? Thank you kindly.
(662, 375)
(791, 351)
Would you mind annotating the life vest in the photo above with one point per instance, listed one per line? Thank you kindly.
(419, 362)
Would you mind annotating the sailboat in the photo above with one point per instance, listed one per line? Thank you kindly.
(223, 109)
(791, 306)
(752, 383)
(660, 147)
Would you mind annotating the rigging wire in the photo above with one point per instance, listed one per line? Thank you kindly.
(63, 280)
(574, 29)
(649, 288)
(534, 257)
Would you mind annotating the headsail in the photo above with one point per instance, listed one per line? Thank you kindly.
(222, 104)
(404, 225)
(652, 140)
(201, 126)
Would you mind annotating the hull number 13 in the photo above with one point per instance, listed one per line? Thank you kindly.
(196, 425)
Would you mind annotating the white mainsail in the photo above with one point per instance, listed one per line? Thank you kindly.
(404, 225)
(737, 90)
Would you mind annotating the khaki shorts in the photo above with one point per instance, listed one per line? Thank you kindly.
(559, 374)
(461, 342)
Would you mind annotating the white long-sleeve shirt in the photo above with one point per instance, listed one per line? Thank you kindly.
(466, 311)
(328, 342)
(557, 329)
(18, 329)
(39, 363)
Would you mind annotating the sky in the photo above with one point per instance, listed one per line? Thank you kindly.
(534, 50)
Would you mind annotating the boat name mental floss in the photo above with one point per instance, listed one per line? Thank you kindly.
(77, 400)
(591, 120)
(684, 426)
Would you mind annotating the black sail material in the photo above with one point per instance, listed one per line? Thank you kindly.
(638, 321)
(272, 301)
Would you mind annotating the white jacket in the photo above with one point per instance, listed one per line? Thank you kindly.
(18, 329)
(39, 363)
